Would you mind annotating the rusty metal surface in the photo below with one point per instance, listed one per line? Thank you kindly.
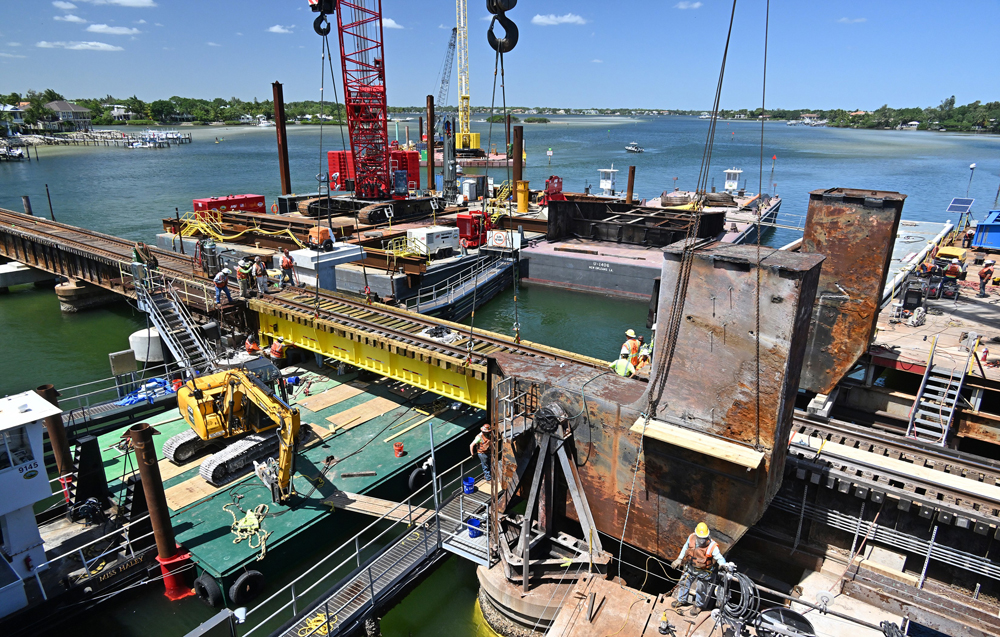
(979, 426)
(711, 389)
(152, 486)
(856, 230)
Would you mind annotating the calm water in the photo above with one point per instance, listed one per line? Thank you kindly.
(127, 192)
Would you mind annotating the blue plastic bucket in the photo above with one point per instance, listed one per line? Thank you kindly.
(468, 485)
(474, 527)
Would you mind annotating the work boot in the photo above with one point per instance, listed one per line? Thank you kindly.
(679, 604)
(695, 611)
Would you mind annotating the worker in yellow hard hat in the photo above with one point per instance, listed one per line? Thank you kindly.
(631, 346)
(699, 556)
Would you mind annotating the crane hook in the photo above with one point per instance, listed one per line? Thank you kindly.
(321, 25)
(507, 43)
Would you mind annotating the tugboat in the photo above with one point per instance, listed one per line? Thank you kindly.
(634, 147)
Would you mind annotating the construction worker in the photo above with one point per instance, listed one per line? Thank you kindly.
(699, 556)
(251, 345)
(260, 274)
(984, 277)
(277, 350)
(221, 281)
(645, 355)
(481, 445)
(631, 346)
(243, 277)
(954, 270)
(287, 268)
(623, 366)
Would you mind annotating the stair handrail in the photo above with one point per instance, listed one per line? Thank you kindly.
(430, 293)
(920, 392)
(160, 322)
(192, 327)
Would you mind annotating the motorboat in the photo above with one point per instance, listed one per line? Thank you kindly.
(634, 147)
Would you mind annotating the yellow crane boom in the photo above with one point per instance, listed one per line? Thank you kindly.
(465, 138)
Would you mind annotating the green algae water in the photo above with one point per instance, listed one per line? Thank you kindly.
(128, 192)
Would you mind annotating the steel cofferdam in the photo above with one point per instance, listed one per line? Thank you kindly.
(395, 343)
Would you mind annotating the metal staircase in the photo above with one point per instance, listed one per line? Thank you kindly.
(176, 327)
(940, 390)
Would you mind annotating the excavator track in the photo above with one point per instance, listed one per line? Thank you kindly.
(402, 209)
(229, 463)
(184, 446)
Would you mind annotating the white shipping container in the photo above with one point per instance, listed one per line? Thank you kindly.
(434, 238)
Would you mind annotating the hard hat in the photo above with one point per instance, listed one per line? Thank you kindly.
(701, 530)
(485, 428)
(256, 258)
(630, 333)
(624, 354)
(226, 271)
(989, 262)
(955, 261)
(281, 339)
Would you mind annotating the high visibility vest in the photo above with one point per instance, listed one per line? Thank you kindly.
(986, 273)
(631, 347)
(623, 367)
(287, 263)
(251, 347)
(277, 349)
(701, 557)
(221, 280)
(482, 443)
(259, 269)
(953, 271)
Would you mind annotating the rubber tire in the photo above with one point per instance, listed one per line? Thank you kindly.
(246, 588)
(328, 245)
(208, 590)
(418, 477)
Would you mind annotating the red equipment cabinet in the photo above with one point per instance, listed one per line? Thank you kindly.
(210, 207)
(408, 160)
(472, 228)
(341, 164)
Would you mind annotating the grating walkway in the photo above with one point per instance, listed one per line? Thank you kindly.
(455, 527)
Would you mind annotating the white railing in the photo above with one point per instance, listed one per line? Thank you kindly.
(350, 553)
(79, 398)
(433, 294)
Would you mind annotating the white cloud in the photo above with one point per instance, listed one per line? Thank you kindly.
(109, 30)
(13, 44)
(280, 29)
(441, 26)
(78, 46)
(553, 19)
(687, 5)
(125, 3)
(486, 18)
(65, 6)
(238, 33)
(389, 23)
(140, 22)
(596, 61)
(212, 44)
(157, 25)
(69, 18)
(852, 20)
(10, 55)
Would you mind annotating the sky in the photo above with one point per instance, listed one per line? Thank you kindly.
(662, 54)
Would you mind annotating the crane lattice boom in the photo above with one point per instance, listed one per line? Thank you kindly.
(445, 74)
(465, 137)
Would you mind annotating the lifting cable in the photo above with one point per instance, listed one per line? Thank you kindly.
(680, 288)
(760, 195)
(319, 176)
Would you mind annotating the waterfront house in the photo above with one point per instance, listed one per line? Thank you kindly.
(68, 116)
(119, 113)
(12, 117)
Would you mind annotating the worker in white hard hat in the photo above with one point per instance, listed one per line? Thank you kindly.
(954, 270)
(221, 281)
(699, 556)
(985, 276)
(623, 366)
(260, 275)
(631, 346)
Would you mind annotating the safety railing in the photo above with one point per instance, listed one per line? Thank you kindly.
(189, 321)
(358, 550)
(190, 291)
(76, 401)
(405, 246)
(497, 206)
(432, 295)
(120, 541)
(894, 288)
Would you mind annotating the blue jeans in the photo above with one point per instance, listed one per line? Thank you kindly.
(701, 580)
(485, 460)
(218, 294)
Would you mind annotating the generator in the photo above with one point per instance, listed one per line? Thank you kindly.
(472, 228)
(435, 241)
(210, 207)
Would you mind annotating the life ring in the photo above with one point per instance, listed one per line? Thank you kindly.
(274, 208)
(246, 587)
(208, 591)
(464, 242)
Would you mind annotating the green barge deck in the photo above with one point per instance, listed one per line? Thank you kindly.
(202, 524)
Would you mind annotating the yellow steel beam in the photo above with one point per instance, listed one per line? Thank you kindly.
(443, 374)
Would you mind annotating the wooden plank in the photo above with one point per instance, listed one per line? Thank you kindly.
(702, 443)
(414, 425)
(375, 507)
(360, 414)
(169, 470)
(188, 492)
(331, 396)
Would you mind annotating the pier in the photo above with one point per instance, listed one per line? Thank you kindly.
(107, 138)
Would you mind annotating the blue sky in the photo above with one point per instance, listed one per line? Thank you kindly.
(584, 53)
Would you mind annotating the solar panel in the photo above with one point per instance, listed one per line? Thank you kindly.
(960, 204)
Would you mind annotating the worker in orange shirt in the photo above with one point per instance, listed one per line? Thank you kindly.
(631, 346)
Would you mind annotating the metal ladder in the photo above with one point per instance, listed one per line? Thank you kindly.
(937, 398)
(176, 327)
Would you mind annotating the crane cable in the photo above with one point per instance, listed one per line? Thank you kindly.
(666, 356)
(760, 194)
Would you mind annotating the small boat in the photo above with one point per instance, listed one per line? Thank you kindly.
(634, 147)
(265, 124)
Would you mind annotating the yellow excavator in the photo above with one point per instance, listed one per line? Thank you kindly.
(237, 410)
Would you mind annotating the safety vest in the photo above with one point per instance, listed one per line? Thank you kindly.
(221, 280)
(701, 557)
(259, 269)
(251, 347)
(986, 273)
(953, 271)
(243, 273)
(623, 367)
(277, 349)
(631, 347)
(482, 443)
(287, 263)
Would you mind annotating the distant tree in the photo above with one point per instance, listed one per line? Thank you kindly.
(48, 95)
(137, 107)
(37, 112)
(161, 110)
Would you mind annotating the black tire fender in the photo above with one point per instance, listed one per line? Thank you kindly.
(208, 590)
(417, 478)
(246, 587)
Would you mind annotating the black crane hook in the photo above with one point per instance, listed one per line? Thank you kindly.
(507, 43)
(321, 25)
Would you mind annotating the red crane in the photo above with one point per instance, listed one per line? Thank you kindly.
(359, 25)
